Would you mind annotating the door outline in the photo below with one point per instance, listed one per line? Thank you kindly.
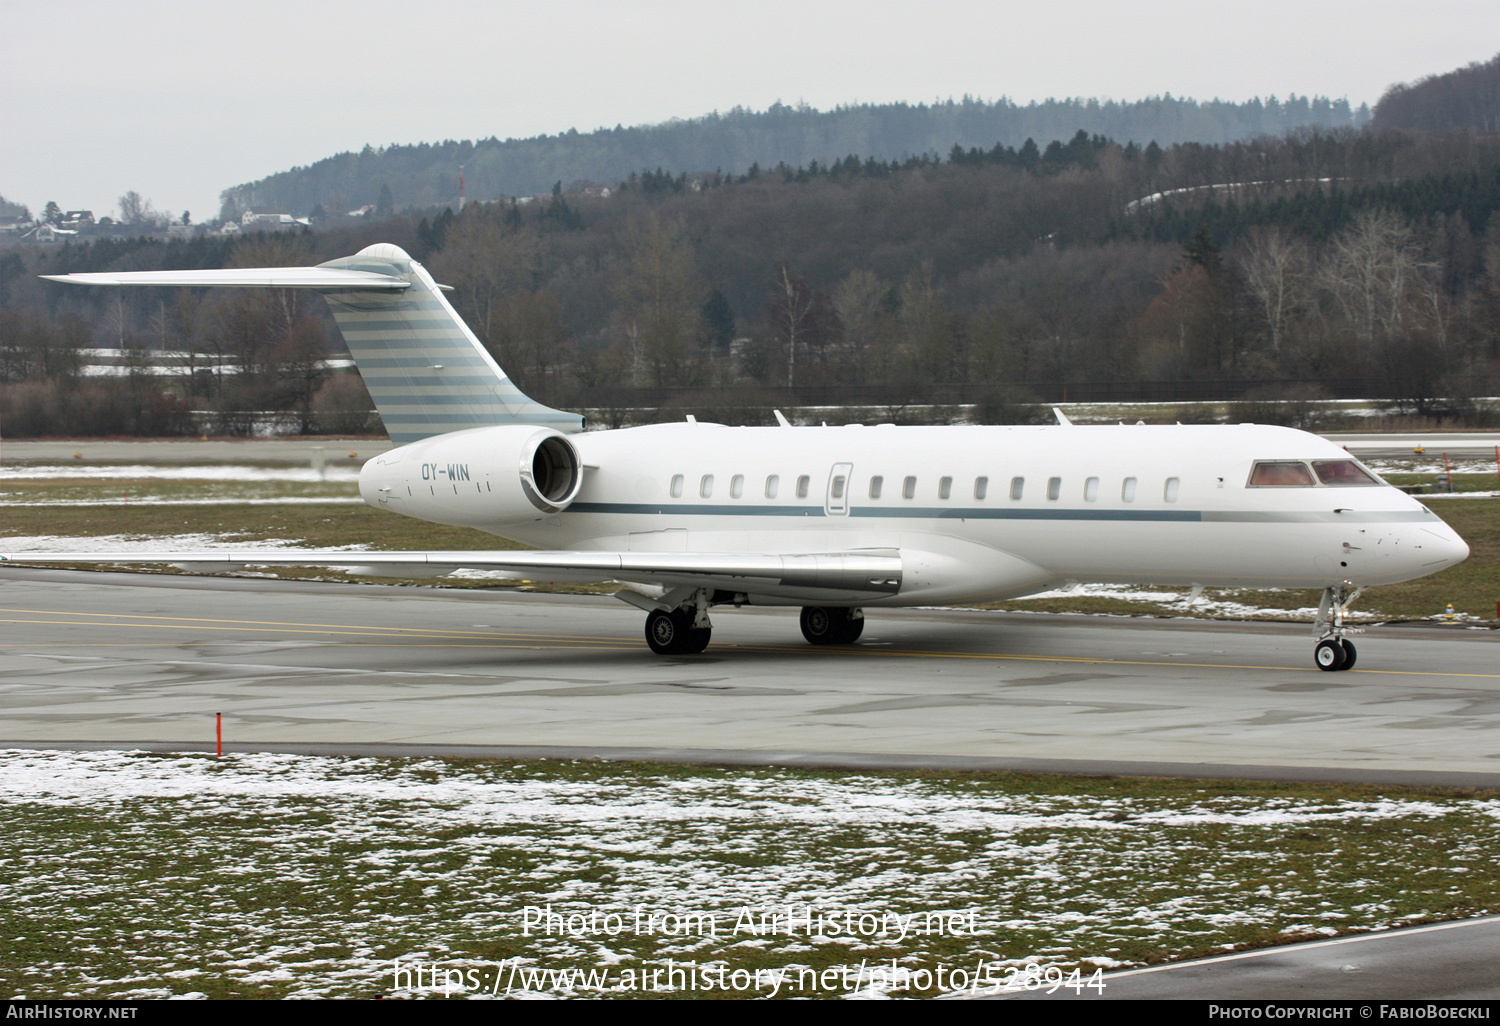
(838, 506)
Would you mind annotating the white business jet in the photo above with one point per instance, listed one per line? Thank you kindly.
(835, 520)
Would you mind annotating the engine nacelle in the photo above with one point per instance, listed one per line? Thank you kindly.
(481, 477)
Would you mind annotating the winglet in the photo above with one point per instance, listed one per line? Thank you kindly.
(1062, 418)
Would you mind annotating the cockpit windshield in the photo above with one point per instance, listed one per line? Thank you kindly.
(1281, 474)
(1295, 474)
(1343, 472)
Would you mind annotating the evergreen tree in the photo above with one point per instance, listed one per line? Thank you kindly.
(718, 319)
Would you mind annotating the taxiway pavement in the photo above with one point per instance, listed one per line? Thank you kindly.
(113, 659)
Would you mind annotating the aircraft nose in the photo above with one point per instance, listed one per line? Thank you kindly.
(1442, 547)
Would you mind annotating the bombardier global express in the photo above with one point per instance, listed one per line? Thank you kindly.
(692, 516)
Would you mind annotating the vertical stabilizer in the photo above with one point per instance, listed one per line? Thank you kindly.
(425, 369)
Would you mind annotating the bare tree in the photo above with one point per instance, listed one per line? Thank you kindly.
(790, 309)
(856, 303)
(1278, 271)
(485, 260)
(1369, 273)
(137, 210)
(660, 301)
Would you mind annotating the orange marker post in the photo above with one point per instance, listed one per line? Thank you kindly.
(218, 735)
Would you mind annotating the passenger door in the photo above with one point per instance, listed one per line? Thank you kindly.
(840, 478)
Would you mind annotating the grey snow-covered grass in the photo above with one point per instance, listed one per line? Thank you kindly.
(135, 875)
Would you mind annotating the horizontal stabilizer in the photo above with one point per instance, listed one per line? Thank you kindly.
(335, 279)
(425, 369)
(856, 574)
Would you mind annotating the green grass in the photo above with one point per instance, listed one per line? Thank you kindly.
(1462, 482)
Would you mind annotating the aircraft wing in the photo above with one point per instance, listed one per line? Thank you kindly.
(858, 574)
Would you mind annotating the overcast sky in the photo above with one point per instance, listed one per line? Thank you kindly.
(179, 100)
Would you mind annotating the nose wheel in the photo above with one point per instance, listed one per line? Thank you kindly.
(1334, 650)
(1335, 654)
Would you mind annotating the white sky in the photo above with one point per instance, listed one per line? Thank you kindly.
(179, 100)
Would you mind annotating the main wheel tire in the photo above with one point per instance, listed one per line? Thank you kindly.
(1350, 655)
(820, 626)
(853, 628)
(665, 632)
(695, 640)
(674, 634)
(1330, 655)
(830, 626)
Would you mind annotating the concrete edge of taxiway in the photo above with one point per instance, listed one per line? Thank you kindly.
(809, 760)
(1448, 961)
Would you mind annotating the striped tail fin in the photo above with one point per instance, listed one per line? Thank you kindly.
(425, 369)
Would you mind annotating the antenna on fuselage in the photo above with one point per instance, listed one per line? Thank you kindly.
(1062, 418)
(780, 420)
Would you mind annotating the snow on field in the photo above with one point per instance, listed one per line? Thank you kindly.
(1179, 601)
(150, 875)
(206, 472)
(127, 543)
(136, 500)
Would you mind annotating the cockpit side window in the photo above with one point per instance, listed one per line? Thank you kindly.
(1281, 474)
(1343, 473)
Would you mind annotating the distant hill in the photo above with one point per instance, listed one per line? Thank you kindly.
(1466, 98)
(425, 175)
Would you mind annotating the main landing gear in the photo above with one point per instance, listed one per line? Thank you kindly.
(822, 626)
(682, 629)
(685, 628)
(673, 633)
(1334, 650)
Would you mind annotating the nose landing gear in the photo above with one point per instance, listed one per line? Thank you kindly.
(1334, 650)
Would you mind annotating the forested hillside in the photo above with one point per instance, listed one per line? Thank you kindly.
(426, 175)
(1467, 98)
(1352, 262)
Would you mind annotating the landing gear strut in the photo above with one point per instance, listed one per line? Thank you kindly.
(684, 630)
(823, 626)
(1334, 650)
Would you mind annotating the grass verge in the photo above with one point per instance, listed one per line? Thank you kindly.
(133, 875)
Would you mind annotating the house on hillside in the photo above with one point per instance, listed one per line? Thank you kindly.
(50, 234)
(261, 217)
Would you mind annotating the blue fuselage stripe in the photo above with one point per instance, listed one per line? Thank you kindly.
(913, 513)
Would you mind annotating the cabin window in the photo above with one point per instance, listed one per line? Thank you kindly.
(802, 483)
(1054, 488)
(1091, 490)
(1342, 473)
(773, 484)
(1017, 485)
(945, 487)
(875, 483)
(706, 486)
(676, 486)
(909, 488)
(1170, 491)
(1127, 490)
(981, 487)
(736, 486)
(1281, 474)
(837, 489)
